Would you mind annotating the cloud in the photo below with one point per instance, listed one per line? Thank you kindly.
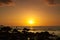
(53, 2)
(29, 2)
(6, 2)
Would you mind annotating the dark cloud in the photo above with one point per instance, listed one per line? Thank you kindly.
(6, 2)
(53, 2)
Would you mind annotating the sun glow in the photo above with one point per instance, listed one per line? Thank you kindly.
(31, 21)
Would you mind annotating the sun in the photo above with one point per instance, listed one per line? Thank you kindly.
(31, 22)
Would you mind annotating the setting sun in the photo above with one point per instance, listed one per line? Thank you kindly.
(31, 21)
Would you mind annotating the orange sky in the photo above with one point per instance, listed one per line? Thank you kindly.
(36, 10)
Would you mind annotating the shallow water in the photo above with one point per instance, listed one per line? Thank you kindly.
(51, 32)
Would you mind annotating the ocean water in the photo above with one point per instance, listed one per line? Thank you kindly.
(51, 29)
(51, 32)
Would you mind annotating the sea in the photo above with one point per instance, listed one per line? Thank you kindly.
(51, 29)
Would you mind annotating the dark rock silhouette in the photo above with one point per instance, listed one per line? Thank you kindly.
(7, 33)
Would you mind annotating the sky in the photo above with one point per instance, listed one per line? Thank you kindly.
(19, 12)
